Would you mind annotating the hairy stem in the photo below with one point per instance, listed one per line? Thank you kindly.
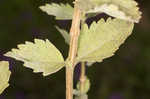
(74, 34)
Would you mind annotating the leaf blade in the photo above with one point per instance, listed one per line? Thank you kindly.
(4, 75)
(41, 56)
(122, 9)
(64, 34)
(102, 39)
(62, 11)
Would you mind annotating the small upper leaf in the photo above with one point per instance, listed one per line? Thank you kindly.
(41, 56)
(102, 39)
(62, 11)
(122, 9)
(65, 34)
(4, 75)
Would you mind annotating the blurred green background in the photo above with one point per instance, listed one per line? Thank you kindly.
(123, 76)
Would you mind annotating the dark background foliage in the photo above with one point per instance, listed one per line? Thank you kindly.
(123, 76)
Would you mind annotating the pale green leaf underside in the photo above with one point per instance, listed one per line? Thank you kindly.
(4, 75)
(62, 11)
(122, 9)
(65, 34)
(41, 56)
(102, 39)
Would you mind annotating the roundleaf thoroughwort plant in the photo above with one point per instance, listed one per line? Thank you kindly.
(87, 44)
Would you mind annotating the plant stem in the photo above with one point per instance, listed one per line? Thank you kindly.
(69, 82)
(82, 78)
(74, 34)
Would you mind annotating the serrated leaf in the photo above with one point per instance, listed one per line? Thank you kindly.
(62, 11)
(65, 34)
(4, 75)
(102, 39)
(41, 56)
(122, 9)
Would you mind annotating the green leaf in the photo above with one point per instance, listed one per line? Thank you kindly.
(65, 34)
(122, 9)
(4, 75)
(41, 56)
(102, 39)
(62, 11)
